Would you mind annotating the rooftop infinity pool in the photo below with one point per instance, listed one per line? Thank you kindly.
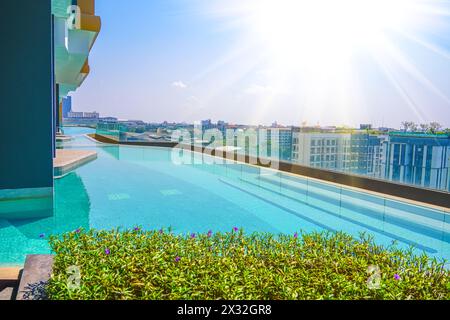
(141, 186)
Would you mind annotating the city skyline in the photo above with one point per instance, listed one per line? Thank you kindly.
(407, 126)
(190, 60)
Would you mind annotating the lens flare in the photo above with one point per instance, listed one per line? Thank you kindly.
(312, 32)
(339, 55)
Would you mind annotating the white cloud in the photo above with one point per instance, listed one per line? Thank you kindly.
(179, 84)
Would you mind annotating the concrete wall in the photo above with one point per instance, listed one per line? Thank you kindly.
(26, 94)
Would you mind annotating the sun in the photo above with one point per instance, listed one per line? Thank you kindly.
(335, 54)
(311, 32)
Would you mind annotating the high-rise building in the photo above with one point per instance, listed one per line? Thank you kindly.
(346, 152)
(320, 150)
(45, 49)
(222, 126)
(82, 118)
(277, 139)
(418, 159)
(207, 124)
(75, 115)
(66, 106)
(365, 126)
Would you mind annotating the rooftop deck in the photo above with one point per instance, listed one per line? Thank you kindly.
(68, 160)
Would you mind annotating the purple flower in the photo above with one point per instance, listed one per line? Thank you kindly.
(107, 251)
(78, 230)
(397, 277)
(136, 229)
(209, 234)
(161, 231)
(177, 259)
(42, 235)
(296, 235)
(235, 229)
(192, 235)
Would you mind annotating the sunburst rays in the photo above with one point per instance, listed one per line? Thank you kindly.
(317, 42)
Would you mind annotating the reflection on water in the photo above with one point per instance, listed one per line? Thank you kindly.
(19, 237)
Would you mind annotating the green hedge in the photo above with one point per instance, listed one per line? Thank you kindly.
(161, 265)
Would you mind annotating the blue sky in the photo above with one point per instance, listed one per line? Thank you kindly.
(187, 60)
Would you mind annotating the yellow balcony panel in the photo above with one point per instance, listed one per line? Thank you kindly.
(85, 69)
(87, 6)
(90, 23)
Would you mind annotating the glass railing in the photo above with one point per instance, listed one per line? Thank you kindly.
(417, 159)
(373, 211)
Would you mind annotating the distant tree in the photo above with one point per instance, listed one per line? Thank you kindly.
(405, 125)
(434, 127)
(424, 127)
(409, 126)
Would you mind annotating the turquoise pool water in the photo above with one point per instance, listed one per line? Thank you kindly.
(129, 186)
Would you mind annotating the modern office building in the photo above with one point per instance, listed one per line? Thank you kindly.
(66, 106)
(375, 155)
(362, 154)
(410, 158)
(418, 159)
(45, 49)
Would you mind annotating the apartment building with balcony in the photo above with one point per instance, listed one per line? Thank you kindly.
(45, 50)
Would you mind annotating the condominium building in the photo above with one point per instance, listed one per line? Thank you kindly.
(418, 159)
(84, 115)
(282, 138)
(319, 150)
(353, 153)
(44, 57)
(75, 29)
(82, 118)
